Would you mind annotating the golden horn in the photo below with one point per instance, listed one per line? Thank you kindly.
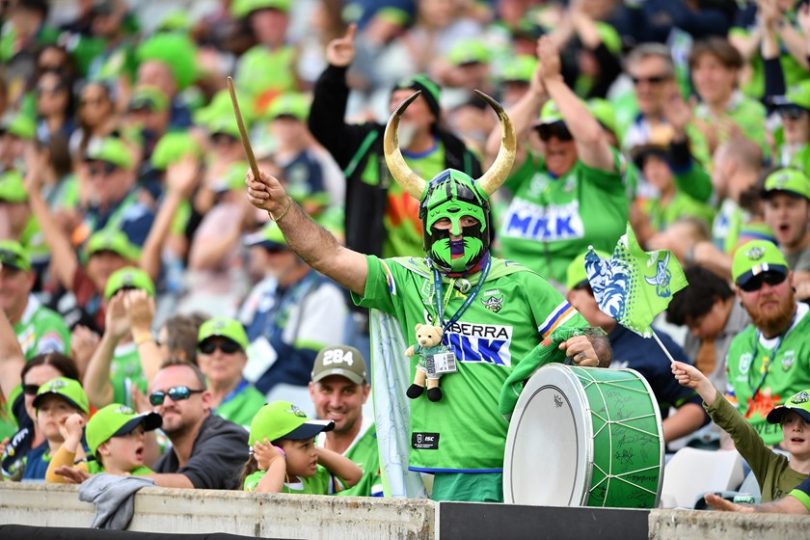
(499, 171)
(405, 177)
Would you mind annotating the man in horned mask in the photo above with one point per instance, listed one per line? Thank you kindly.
(492, 312)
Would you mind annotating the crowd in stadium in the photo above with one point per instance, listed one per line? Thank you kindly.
(168, 313)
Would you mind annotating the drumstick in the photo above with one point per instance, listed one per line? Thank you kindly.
(242, 131)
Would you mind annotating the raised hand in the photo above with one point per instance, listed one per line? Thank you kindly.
(265, 454)
(83, 343)
(117, 318)
(549, 56)
(691, 377)
(678, 112)
(183, 176)
(71, 427)
(141, 309)
(267, 193)
(340, 51)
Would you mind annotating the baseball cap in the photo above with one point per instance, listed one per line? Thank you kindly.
(797, 95)
(289, 105)
(469, 51)
(519, 69)
(128, 278)
(269, 236)
(109, 149)
(116, 420)
(12, 188)
(431, 91)
(13, 254)
(604, 112)
(549, 114)
(575, 273)
(220, 105)
(798, 403)
(173, 147)
(756, 257)
(174, 49)
(19, 125)
(223, 327)
(148, 97)
(788, 180)
(69, 390)
(243, 8)
(340, 360)
(112, 240)
(282, 419)
(223, 123)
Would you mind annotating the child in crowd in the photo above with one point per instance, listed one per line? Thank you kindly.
(57, 400)
(284, 458)
(777, 474)
(116, 436)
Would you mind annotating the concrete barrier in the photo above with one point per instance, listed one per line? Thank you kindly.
(201, 511)
(700, 525)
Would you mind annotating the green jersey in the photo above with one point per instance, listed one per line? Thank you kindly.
(401, 220)
(662, 215)
(321, 483)
(777, 368)
(513, 310)
(748, 114)
(552, 220)
(363, 452)
(125, 371)
(261, 70)
(241, 404)
(41, 330)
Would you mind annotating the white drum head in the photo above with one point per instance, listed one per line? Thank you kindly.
(549, 446)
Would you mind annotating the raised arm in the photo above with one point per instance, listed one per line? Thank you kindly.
(97, 379)
(12, 359)
(309, 240)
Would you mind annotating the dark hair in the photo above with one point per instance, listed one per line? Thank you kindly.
(182, 331)
(720, 48)
(173, 361)
(251, 466)
(63, 364)
(705, 288)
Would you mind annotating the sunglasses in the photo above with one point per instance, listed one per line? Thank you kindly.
(771, 278)
(556, 129)
(102, 168)
(30, 389)
(177, 393)
(228, 347)
(655, 79)
(792, 112)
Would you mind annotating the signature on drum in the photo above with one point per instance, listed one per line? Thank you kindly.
(558, 402)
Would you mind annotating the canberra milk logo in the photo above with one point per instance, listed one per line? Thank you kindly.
(544, 223)
(488, 343)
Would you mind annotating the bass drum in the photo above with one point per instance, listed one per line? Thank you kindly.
(584, 437)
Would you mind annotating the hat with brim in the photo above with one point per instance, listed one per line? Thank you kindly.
(341, 360)
(114, 241)
(223, 327)
(269, 237)
(791, 181)
(128, 278)
(12, 187)
(799, 404)
(14, 255)
(19, 125)
(549, 114)
(797, 95)
(283, 420)
(68, 390)
(754, 258)
(148, 98)
(243, 8)
(110, 150)
(117, 420)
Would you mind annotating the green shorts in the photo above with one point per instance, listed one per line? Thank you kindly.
(468, 487)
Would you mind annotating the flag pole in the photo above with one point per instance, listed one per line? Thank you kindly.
(661, 344)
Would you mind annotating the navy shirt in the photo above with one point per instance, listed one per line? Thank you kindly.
(37, 463)
(630, 350)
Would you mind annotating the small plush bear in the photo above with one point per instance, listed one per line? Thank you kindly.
(429, 342)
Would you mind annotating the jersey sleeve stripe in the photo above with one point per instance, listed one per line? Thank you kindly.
(558, 316)
(389, 278)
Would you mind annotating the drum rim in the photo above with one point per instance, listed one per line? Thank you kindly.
(584, 414)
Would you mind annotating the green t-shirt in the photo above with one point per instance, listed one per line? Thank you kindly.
(782, 364)
(126, 370)
(747, 113)
(772, 471)
(261, 70)
(242, 404)
(41, 330)
(514, 310)
(321, 483)
(552, 220)
(401, 220)
(364, 454)
(662, 215)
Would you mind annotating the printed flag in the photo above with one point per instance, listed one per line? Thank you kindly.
(634, 286)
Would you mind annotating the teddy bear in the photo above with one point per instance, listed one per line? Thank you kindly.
(429, 344)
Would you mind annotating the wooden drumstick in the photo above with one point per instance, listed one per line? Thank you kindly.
(242, 131)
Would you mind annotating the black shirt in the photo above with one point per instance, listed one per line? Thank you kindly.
(217, 457)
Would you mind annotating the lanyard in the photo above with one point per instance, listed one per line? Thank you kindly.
(437, 282)
(233, 393)
(766, 363)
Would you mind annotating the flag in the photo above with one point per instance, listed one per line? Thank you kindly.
(634, 286)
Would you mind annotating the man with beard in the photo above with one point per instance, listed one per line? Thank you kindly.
(339, 389)
(769, 361)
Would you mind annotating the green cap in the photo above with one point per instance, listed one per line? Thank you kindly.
(176, 50)
(550, 114)
(604, 112)
(292, 105)
(223, 124)
(176, 21)
(12, 188)
(173, 147)
(269, 236)
(117, 420)
(340, 360)
(233, 179)
(798, 403)
(575, 273)
(223, 327)
(520, 69)
(243, 8)
(756, 257)
(797, 95)
(112, 240)
(110, 149)
(128, 278)
(283, 420)
(220, 106)
(13, 254)
(149, 97)
(791, 181)
(69, 390)
(469, 51)
(19, 125)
